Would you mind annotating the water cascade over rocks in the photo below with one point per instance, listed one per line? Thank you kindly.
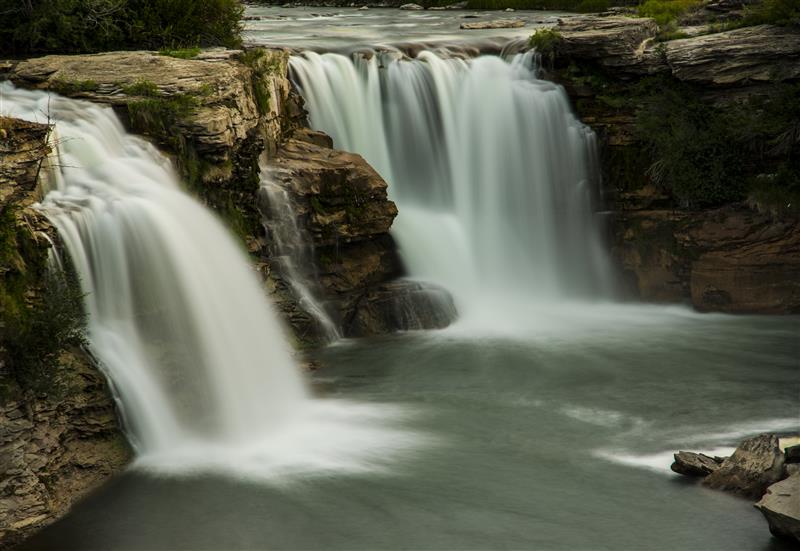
(494, 177)
(293, 253)
(178, 320)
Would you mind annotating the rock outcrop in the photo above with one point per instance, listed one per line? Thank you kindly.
(54, 447)
(732, 259)
(54, 450)
(781, 507)
(342, 202)
(695, 464)
(755, 465)
(750, 55)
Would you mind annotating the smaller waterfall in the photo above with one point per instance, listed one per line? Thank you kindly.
(293, 254)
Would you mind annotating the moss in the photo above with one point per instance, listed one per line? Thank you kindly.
(157, 116)
(263, 65)
(182, 53)
(68, 87)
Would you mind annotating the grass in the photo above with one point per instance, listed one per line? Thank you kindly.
(143, 88)
(68, 87)
(667, 11)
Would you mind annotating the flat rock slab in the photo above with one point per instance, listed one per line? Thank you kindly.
(695, 464)
(760, 54)
(755, 465)
(781, 507)
(496, 24)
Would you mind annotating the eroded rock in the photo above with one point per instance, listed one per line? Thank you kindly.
(761, 54)
(781, 507)
(755, 465)
(695, 464)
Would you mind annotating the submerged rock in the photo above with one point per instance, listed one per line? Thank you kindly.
(695, 464)
(754, 466)
(781, 507)
(496, 24)
(414, 7)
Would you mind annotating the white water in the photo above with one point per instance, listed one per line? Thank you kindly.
(178, 320)
(291, 245)
(493, 175)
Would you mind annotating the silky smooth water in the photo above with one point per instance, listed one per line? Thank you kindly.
(559, 441)
(494, 177)
(178, 319)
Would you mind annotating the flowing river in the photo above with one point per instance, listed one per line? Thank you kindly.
(545, 418)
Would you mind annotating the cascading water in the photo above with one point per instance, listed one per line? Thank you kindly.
(293, 253)
(493, 175)
(177, 320)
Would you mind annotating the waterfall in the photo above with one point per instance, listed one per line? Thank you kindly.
(177, 319)
(493, 175)
(293, 254)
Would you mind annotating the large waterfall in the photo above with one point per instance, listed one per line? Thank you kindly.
(177, 319)
(494, 177)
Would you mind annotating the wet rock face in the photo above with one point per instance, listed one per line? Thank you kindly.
(781, 507)
(755, 465)
(54, 451)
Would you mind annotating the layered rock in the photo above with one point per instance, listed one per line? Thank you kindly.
(781, 507)
(55, 450)
(54, 447)
(755, 465)
(342, 202)
(695, 464)
(732, 259)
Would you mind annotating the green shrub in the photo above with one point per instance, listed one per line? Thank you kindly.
(774, 12)
(76, 26)
(666, 11)
(546, 42)
(707, 155)
(144, 88)
(37, 336)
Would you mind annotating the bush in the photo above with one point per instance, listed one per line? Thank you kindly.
(36, 336)
(774, 12)
(666, 11)
(707, 155)
(79, 26)
(546, 42)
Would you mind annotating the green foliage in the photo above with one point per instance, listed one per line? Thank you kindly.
(144, 88)
(36, 336)
(666, 11)
(157, 116)
(184, 53)
(262, 65)
(774, 12)
(707, 155)
(76, 26)
(546, 42)
(67, 87)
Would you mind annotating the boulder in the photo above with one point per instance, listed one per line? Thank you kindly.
(496, 24)
(760, 54)
(413, 7)
(755, 465)
(695, 464)
(781, 507)
(792, 454)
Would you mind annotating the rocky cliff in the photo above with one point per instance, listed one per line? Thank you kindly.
(729, 245)
(59, 436)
